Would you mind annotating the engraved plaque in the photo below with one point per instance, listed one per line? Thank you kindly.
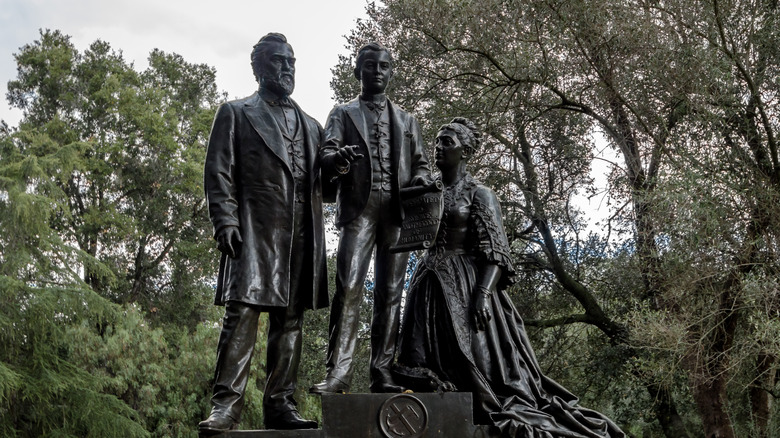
(404, 416)
(422, 214)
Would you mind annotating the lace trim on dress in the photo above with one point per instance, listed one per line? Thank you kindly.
(491, 243)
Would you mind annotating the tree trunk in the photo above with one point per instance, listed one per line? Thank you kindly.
(666, 412)
(710, 397)
(760, 403)
(710, 373)
(664, 406)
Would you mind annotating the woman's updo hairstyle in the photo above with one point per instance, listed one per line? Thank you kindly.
(467, 132)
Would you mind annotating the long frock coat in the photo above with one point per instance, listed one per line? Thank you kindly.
(249, 184)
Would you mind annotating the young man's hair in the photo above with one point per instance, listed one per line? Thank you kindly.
(371, 47)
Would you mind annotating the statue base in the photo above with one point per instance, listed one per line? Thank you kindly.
(387, 416)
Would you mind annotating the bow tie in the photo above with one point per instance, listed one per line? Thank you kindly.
(374, 106)
(284, 102)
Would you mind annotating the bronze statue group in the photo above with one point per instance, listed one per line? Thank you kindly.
(269, 168)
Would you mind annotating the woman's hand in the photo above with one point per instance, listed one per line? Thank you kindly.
(486, 286)
(482, 307)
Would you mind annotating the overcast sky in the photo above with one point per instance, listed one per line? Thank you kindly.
(217, 33)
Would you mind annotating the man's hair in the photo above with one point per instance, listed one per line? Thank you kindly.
(260, 50)
(371, 47)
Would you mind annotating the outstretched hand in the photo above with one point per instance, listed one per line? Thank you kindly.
(348, 154)
(229, 241)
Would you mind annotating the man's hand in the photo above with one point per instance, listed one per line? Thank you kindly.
(422, 181)
(347, 154)
(229, 241)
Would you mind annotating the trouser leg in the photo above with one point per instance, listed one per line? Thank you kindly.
(354, 255)
(390, 272)
(284, 331)
(283, 359)
(234, 354)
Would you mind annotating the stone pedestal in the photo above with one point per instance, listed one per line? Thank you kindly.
(417, 415)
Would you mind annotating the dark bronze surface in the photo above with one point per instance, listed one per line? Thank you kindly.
(422, 216)
(461, 329)
(264, 196)
(448, 415)
(372, 149)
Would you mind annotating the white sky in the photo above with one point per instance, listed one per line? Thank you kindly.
(218, 33)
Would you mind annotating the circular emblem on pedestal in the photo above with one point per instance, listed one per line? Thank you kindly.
(403, 416)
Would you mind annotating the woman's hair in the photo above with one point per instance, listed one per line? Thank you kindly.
(467, 132)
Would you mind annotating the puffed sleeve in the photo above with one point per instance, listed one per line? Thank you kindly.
(488, 230)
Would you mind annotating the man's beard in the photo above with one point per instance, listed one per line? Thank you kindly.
(283, 85)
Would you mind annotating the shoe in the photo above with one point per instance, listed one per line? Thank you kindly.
(215, 424)
(386, 387)
(330, 385)
(384, 383)
(288, 421)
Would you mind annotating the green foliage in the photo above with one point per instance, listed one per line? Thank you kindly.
(44, 391)
(106, 258)
(122, 153)
(159, 375)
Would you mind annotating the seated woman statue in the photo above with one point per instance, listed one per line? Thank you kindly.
(460, 329)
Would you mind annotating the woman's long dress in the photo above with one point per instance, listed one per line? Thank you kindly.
(497, 365)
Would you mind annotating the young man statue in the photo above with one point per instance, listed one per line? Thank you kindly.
(373, 149)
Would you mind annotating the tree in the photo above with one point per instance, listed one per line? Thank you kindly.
(42, 391)
(725, 188)
(677, 89)
(125, 151)
(106, 258)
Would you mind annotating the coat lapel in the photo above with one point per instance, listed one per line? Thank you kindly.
(259, 114)
(396, 136)
(309, 145)
(353, 109)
